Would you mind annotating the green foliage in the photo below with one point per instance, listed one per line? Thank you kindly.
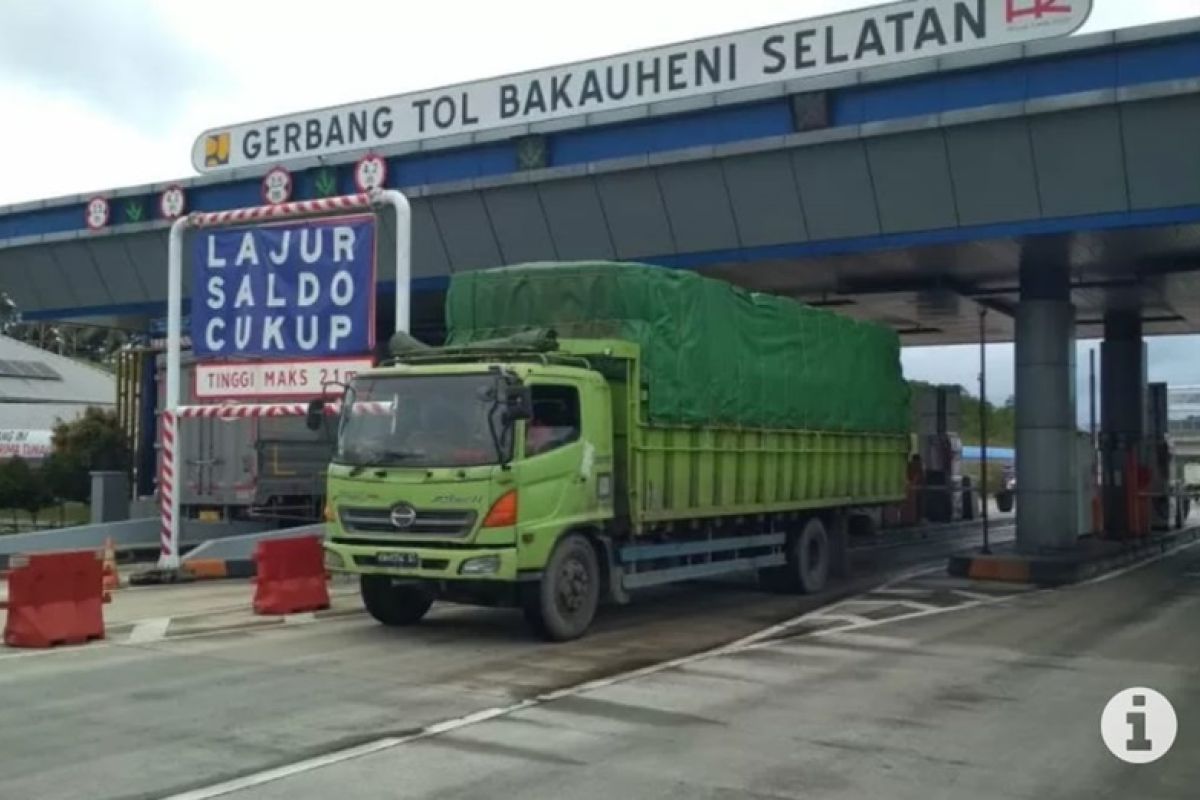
(16, 482)
(93, 442)
(1001, 423)
(1001, 420)
(36, 496)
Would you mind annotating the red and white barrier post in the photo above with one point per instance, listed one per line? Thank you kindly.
(169, 472)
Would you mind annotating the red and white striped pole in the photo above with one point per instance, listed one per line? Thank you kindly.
(168, 497)
(170, 473)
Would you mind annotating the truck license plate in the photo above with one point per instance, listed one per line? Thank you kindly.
(406, 560)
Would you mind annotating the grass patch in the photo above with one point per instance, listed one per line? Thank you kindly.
(57, 516)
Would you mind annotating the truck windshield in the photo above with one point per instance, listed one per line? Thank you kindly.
(421, 421)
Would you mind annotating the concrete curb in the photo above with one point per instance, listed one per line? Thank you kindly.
(1060, 570)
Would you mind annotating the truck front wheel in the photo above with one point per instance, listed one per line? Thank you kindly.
(563, 604)
(393, 605)
(807, 567)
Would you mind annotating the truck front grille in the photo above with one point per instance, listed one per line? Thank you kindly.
(427, 523)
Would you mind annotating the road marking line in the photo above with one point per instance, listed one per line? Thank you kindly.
(870, 603)
(299, 619)
(984, 596)
(270, 775)
(851, 619)
(1108, 576)
(149, 630)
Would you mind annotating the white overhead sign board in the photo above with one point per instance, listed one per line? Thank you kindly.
(869, 37)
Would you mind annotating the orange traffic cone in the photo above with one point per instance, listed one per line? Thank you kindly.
(111, 579)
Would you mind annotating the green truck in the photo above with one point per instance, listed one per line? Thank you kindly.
(593, 429)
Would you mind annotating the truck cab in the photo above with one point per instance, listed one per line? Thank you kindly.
(456, 478)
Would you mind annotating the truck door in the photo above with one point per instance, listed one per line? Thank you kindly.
(557, 471)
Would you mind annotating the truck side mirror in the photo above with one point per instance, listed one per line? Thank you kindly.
(315, 415)
(518, 402)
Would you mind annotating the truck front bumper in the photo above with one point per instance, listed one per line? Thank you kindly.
(423, 563)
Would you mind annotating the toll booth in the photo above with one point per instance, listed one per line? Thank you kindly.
(1163, 500)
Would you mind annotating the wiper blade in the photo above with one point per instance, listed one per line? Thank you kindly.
(376, 458)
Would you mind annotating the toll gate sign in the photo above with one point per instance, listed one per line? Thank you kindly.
(290, 292)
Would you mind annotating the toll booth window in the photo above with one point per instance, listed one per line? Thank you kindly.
(555, 420)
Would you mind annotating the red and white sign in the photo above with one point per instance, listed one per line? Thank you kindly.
(277, 186)
(370, 173)
(23, 443)
(1023, 13)
(97, 213)
(172, 203)
(272, 380)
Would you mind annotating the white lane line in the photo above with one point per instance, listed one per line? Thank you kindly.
(867, 603)
(299, 619)
(850, 619)
(984, 595)
(259, 778)
(149, 630)
(1108, 576)
(318, 762)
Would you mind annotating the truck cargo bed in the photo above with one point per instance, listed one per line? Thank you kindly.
(686, 473)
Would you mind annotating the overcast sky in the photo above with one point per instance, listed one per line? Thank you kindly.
(98, 94)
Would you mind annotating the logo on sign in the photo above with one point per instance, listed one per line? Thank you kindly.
(303, 289)
(172, 202)
(96, 214)
(370, 173)
(277, 186)
(1016, 11)
(216, 150)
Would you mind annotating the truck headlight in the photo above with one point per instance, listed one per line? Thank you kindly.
(334, 560)
(480, 565)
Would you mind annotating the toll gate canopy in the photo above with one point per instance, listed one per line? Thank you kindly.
(912, 194)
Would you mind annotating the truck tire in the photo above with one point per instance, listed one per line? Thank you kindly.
(393, 605)
(807, 568)
(1004, 502)
(563, 604)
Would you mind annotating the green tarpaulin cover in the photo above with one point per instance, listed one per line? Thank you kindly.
(712, 353)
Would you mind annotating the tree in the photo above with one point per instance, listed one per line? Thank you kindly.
(16, 485)
(93, 442)
(37, 495)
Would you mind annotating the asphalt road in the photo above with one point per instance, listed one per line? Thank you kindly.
(929, 687)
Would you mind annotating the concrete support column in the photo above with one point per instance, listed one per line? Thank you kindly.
(1047, 511)
(1122, 411)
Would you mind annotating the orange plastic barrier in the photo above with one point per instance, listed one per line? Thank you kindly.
(53, 599)
(290, 576)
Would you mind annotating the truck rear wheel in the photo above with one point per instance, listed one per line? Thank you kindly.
(807, 567)
(563, 604)
(393, 605)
